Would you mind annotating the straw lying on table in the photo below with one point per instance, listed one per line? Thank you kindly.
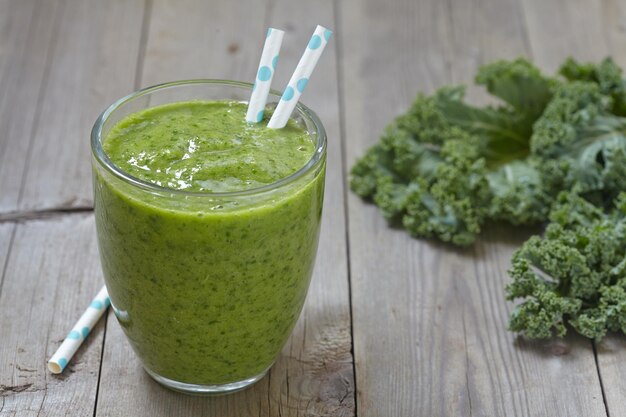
(265, 73)
(79, 333)
(300, 78)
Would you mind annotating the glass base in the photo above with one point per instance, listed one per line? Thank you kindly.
(196, 389)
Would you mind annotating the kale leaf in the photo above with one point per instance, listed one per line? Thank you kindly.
(554, 150)
(445, 167)
(574, 274)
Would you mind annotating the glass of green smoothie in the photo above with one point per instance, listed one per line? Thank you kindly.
(207, 229)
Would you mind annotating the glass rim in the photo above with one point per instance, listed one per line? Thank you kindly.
(103, 159)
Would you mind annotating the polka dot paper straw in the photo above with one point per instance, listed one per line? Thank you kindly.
(300, 78)
(264, 75)
(79, 333)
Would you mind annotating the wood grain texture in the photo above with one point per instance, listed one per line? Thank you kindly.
(407, 321)
(94, 56)
(26, 32)
(210, 42)
(43, 294)
(7, 232)
(561, 28)
(611, 352)
(482, 31)
(600, 27)
(509, 375)
(611, 356)
(429, 322)
(314, 374)
(614, 27)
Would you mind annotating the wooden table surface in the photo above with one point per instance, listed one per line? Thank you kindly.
(393, 326)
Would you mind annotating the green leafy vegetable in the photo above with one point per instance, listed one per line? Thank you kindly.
(445, 168)
(581, 143)
(575, 274)
(607, 75)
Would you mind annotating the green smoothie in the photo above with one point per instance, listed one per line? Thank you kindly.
(208, 272)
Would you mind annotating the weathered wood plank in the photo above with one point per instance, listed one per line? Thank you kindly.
(6, 240)
(599, 31)
(611, 352)
(506, 375)
(44, 292)
(430, 322)
(313, 375)
(611, 356)
(509, 375)
(210, 42)
(560, 28)
(51, 273)
(26, 32)
(401, 288)
(94, 56)
(483, 31)
(614, 27)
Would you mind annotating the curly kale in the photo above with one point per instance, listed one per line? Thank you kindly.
(581, 143)
(445, 168)
(575, 274)
(607, 75)
(427, 173)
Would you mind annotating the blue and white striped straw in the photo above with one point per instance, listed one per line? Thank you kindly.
(264, 75)
(79, 332)
(300, 77)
